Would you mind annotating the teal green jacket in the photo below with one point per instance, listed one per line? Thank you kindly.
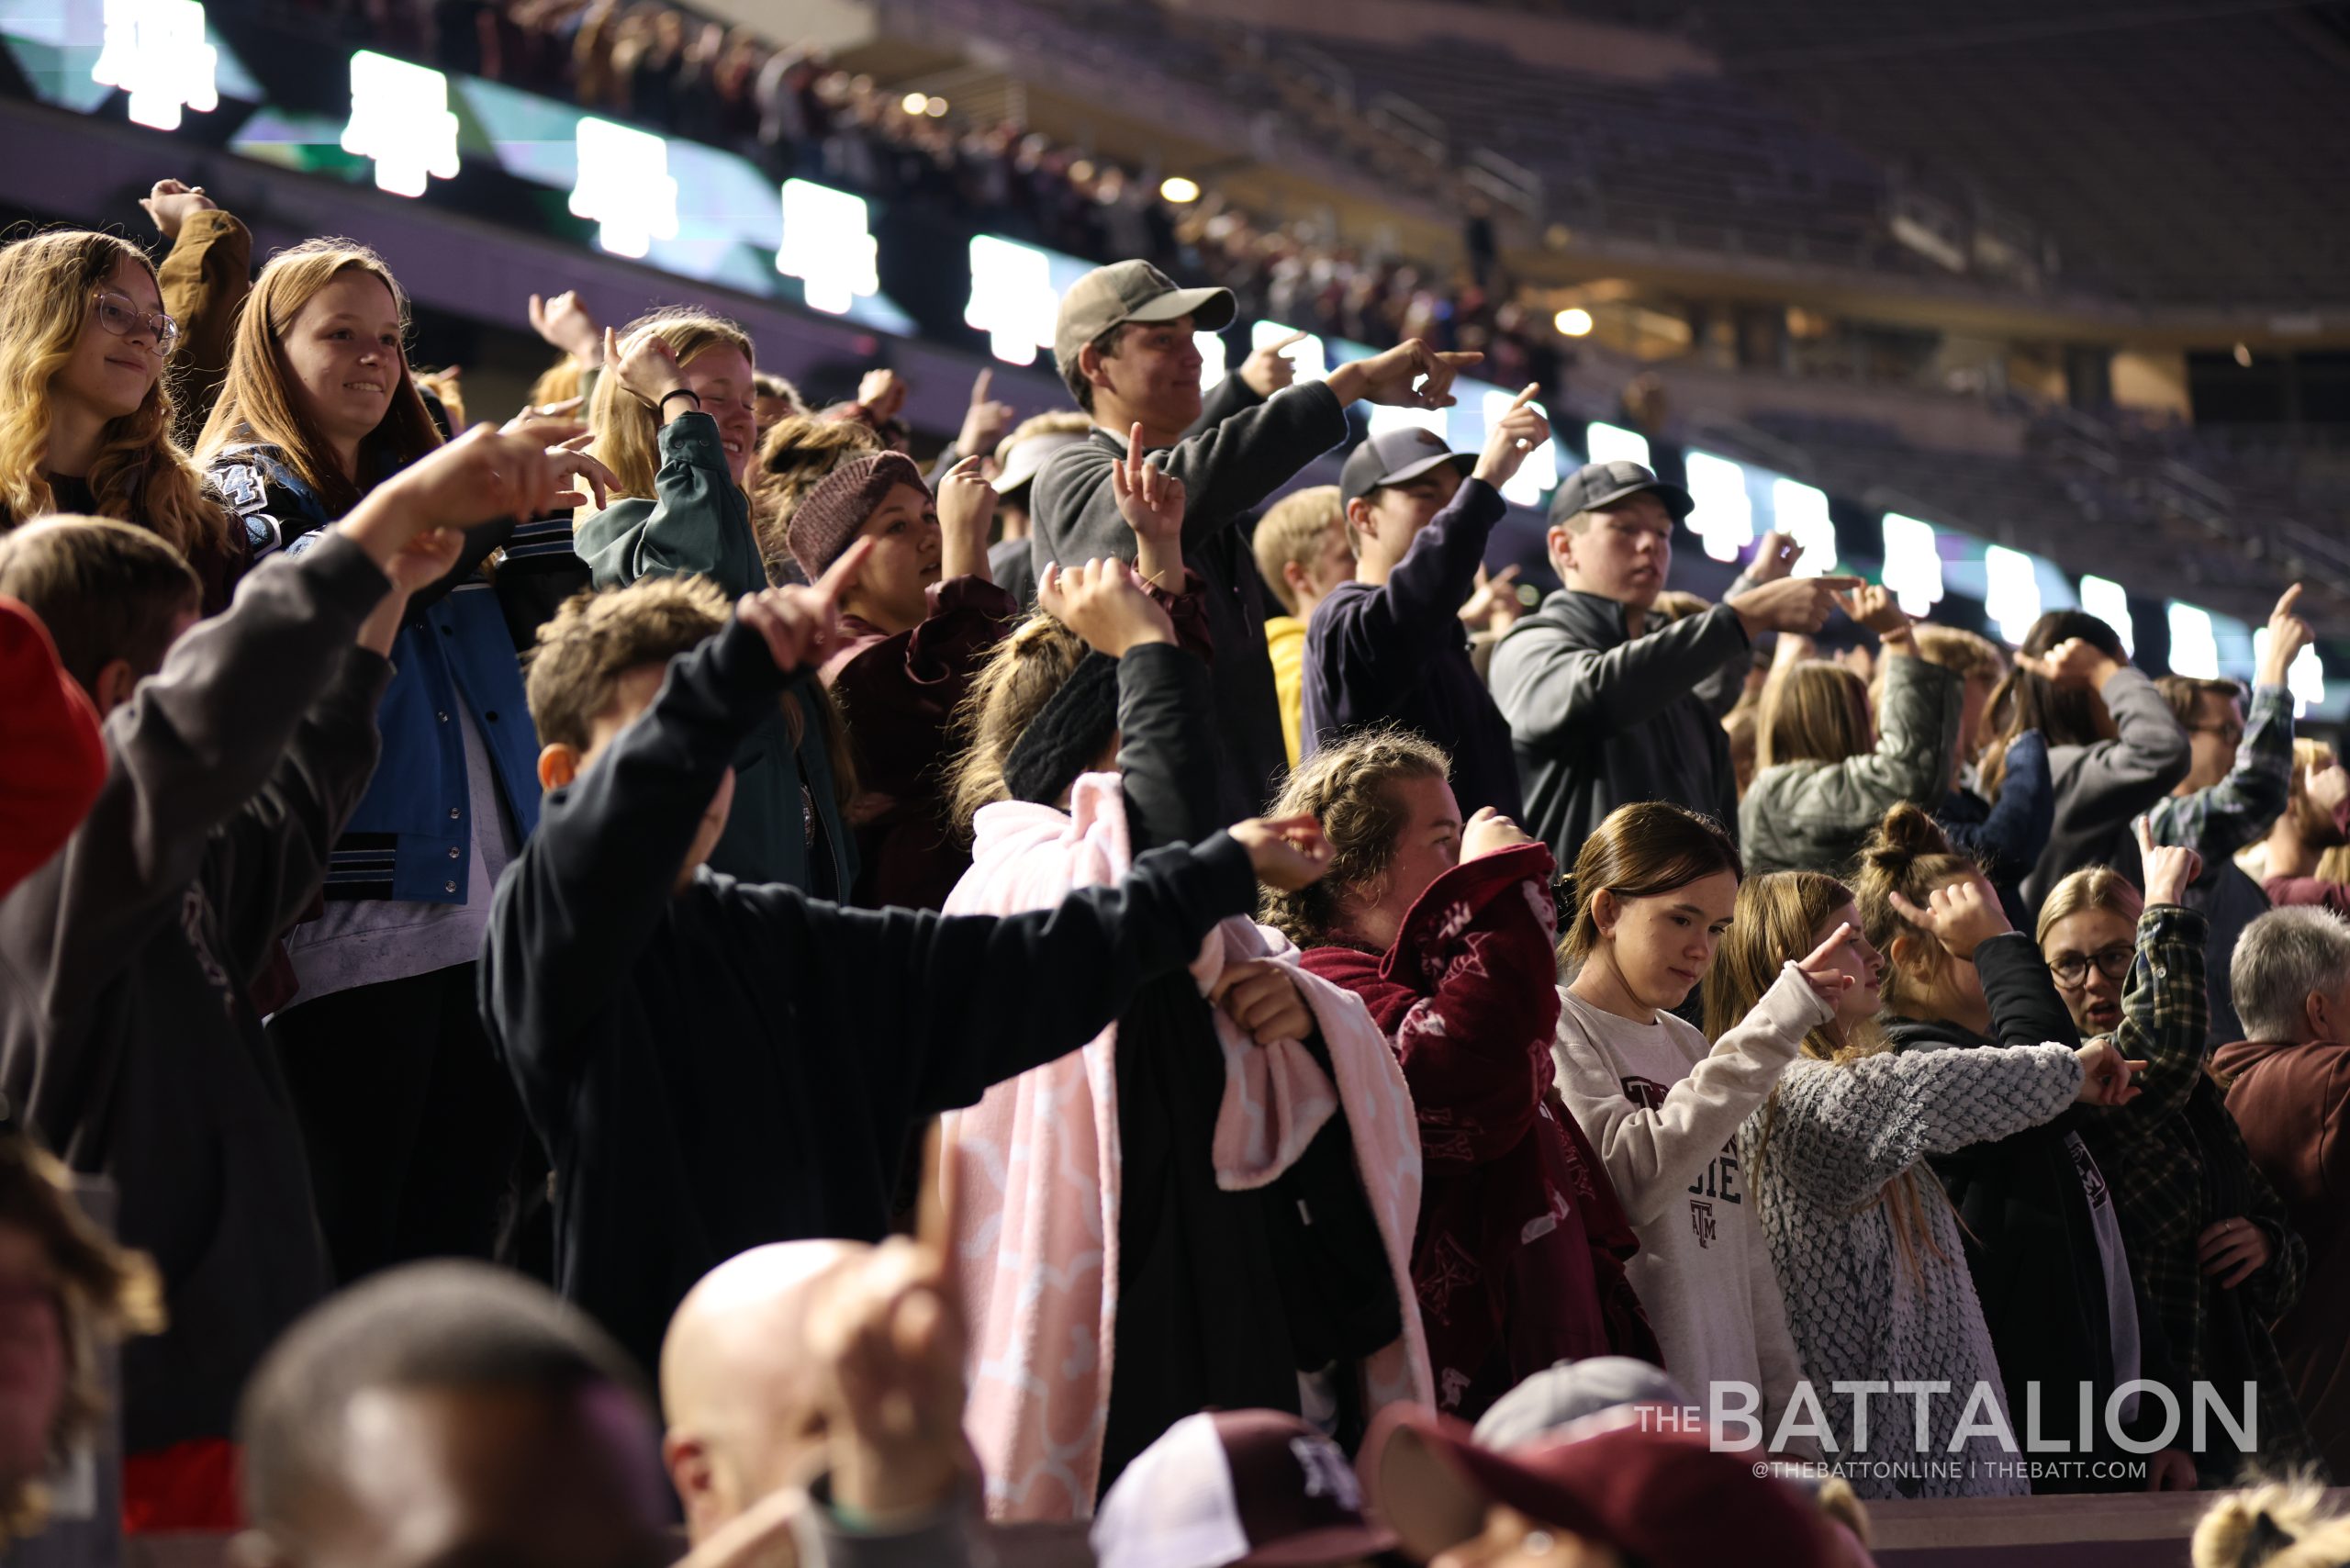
(786, 825)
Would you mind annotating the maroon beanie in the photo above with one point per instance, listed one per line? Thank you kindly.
(828, 519)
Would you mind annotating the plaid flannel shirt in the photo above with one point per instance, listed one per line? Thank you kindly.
(2169, 1154)
(2217, 822)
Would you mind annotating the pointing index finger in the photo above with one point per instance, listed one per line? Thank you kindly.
(2286, 600)
(1294, 339)
(1836, 939)
(843, 572)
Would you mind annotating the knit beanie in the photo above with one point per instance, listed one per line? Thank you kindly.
(827, 521)
(1066, 734)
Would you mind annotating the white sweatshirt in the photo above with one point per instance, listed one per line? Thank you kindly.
(1663, 1111)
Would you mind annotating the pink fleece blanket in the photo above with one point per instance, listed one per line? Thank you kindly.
(1036, 1163)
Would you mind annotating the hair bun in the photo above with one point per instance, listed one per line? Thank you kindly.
(1906, 832)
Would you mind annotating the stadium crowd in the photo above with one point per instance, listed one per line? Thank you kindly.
(794, 112)
(661, 977)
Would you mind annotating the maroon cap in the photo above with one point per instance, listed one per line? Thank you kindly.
(1663, 1495)
(1255, 1487)
(828, 517)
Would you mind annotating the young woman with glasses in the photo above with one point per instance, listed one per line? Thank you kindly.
(2215, 1259)
(85, 418)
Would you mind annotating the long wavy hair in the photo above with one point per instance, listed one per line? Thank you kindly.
(628, 431)
(262, 400)
(1778, 918)
(140, 475)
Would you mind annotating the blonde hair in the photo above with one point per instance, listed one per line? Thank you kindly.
(1349, 788)
(556, 383)
(2091, 887)
(628, 428)
(262, 399)
(1677, 604)
(1292, 533)
(1778, 918)
(1970, 656)
(140, 475)
(1813, 710)
(795, 456)
(1060, 421)
(1908, 854)
(1019, 677)
(2282, 1524)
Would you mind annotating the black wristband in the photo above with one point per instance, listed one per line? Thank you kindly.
(663, 407)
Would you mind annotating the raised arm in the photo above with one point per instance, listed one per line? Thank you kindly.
(2116, 779)
(1167, 745)
(204, 280)
(697, 524)
(577, 905)
(2217, 822)
(1842, 1132)
(1474, 1048)
(1654, 1153)
(1552, 689)
(1225, 469)
(2165, 1011)
(1910, 762)
(2006, 843)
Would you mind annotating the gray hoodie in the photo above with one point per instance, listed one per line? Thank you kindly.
(2102, 788)
(1599, 720)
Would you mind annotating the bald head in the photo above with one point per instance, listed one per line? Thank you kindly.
(739, 1389)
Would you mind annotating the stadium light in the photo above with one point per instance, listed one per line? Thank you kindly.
(2109, 602)
(936, 107)
(1574, 322)
(1614, 443)
(1012, 298)
(2194, 640)
(1212, 359)
(827, 246)
(2304, 678)
(624, 184)
(400, 118)
(2010, 592)
(1724, 517)
(1913, 562)
(915, 103)
(154, 50)
(1539, 472)
(1800, 511)
(1179, 190)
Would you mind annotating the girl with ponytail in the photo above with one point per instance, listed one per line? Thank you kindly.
(1654, 889)
(2045, 1239)
(1866, 1246)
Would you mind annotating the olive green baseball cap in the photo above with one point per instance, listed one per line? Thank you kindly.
(1132, 291)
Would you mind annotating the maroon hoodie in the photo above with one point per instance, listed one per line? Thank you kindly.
(2293, 1104)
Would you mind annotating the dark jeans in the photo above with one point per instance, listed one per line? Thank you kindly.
(412, 1125)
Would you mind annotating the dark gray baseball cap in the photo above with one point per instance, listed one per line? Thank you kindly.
(1393, 457)
(1597, 484)
(1132, 291)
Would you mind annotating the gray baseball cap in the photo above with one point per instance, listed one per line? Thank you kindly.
(1027, 459)
(1565, 1393)
(1596, 484)
(1393, 457)
(1132, 291)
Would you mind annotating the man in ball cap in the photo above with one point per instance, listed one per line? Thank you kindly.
(1389, 648)
(1124, 344)
(1602, 710)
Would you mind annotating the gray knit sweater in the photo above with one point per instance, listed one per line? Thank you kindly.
(1837, 1135)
